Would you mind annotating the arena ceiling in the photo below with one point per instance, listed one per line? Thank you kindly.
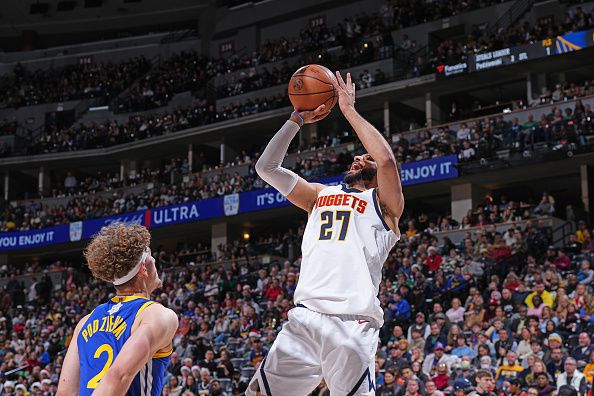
(51, 17)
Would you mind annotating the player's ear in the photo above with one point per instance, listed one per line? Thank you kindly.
(143, 267)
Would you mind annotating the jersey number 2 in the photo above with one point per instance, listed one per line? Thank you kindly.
(92, 384)
(327, 218)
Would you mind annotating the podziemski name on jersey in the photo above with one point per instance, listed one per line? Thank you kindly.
(115, 325)
(342, 200)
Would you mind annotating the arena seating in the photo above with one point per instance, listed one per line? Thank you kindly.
(85, 80)
(557, 129)
(491, 275)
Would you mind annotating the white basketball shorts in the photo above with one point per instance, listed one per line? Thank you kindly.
(311, 346)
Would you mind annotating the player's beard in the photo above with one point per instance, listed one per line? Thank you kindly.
(364, 175)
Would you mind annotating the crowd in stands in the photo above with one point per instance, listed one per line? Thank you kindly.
(363, 37)
(168, 185)
(253, 80)
(106, 194)
(558, 129)
(558, 92)
(185, 71)
(190, 71)
(482, 40)
(392, 15)
(142, 126)
(506, 305)
(106, 80)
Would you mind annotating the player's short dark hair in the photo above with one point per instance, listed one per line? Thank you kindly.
(483, 374)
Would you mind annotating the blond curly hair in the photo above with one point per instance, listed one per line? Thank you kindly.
(116, 249)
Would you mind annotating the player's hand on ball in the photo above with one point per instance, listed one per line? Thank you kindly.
(346, 91)
(309, 117)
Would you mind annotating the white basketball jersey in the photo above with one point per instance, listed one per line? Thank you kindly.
(345, 244)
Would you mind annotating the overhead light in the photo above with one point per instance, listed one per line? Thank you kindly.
(93, 3)
(242, 5)
(66, 5)
(39, 8)
(98, 108)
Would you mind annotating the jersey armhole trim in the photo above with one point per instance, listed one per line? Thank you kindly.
(143, 307)
(163, 354)
(378, 210)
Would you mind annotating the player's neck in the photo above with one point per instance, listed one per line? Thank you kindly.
(130, 293)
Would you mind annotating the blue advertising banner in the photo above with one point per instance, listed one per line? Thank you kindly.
(92, 227)
(186, 212)
(229, 205)
(417, 172)
(429, 170)
(36, 238)
(269, 198)
(571, 42)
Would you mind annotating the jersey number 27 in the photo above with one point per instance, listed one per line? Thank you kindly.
(327, 218)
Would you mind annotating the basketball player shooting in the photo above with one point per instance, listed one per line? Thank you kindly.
(333, 331)
(123, 346)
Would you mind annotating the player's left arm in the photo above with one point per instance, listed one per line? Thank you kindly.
(70, 377)
(389, 189)
(155, 332)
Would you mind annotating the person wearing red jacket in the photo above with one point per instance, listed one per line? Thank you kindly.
(433, 260)
(273, 291)
(442, 378)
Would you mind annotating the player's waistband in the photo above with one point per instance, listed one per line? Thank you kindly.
(359, 318)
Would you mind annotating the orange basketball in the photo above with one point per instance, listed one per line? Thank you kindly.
(311, 86)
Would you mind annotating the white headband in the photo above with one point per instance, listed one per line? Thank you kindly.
(133, 271)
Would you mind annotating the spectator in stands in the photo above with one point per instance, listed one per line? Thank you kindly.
(433, 261)
(484, 384)
(585, 274)
(543, 386)
(582, 352)
(365, 79)
(70, 182)
(572, 377)
(546, 207)
(509, 371)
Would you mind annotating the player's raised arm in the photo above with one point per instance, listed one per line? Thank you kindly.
(70, 377)
(155, 331)
(388, 179)
(297, 190)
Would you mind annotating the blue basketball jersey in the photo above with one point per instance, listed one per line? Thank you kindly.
(103, 336)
